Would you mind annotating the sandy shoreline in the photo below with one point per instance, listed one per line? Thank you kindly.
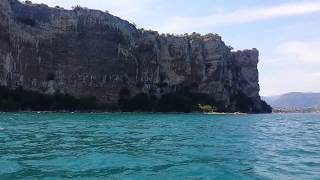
(218, 113)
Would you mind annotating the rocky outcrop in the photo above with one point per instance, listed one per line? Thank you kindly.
(86, 52)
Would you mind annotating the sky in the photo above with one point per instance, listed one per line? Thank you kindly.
(286, 32)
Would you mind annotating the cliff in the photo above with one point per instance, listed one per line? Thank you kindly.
(85, 53)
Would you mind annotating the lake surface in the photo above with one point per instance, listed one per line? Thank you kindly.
(159, 146)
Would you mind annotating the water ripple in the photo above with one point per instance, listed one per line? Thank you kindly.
(159, 146)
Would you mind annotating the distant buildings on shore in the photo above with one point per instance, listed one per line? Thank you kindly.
(296, 110)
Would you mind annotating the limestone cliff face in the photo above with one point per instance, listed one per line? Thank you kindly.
(91, 53)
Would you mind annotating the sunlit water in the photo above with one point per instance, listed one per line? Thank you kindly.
(159, 146)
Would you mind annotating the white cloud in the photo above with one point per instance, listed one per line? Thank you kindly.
(290, 81)
(293, 67)
(295, 52)
(178, 24)
(303, 51)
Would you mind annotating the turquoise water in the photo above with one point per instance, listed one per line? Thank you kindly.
(159, 146)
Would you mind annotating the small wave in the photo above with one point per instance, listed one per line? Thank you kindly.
(1, 129)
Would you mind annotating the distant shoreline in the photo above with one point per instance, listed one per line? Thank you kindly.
(200, 113)
(71, 112)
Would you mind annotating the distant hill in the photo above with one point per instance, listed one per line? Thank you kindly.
(295, 100)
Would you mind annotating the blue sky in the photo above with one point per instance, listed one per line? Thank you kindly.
(286, 32)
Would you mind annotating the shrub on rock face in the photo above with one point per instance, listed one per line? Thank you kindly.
(79, 8)
(27, 2)
(58, 7)
(207, 108)
(180, 101)
(184, 101)
(195, 35)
